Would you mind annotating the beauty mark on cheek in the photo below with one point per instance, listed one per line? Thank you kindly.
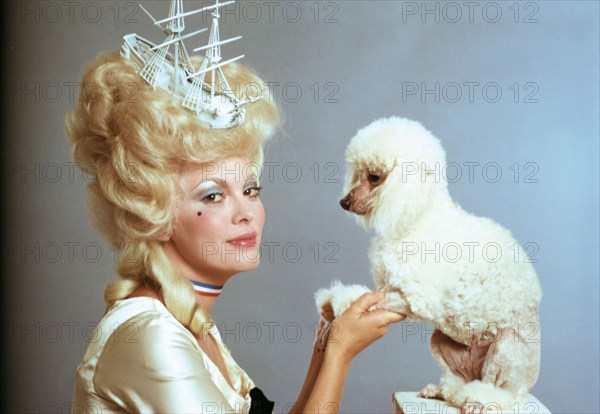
(199, 213)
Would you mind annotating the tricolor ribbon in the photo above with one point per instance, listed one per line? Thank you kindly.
(205, 289)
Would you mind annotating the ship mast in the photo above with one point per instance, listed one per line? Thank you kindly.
(213, 55)
(176, 25)
(212, 64)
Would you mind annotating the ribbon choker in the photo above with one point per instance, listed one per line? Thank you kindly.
(204, 289)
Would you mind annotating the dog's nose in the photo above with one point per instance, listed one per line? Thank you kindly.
(345, 203)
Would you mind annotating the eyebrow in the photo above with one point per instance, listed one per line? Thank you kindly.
(223, 183)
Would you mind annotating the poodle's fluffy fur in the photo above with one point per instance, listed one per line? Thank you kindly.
(465, 274)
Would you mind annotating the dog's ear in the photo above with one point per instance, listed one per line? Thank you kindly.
(389, 202)
(401, 199)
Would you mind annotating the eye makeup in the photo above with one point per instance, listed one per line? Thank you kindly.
(218, 188)
(208, 192)
(254, 190)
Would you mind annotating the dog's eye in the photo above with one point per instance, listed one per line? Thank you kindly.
(373, 178)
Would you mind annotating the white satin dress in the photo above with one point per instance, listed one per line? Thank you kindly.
(143, 360)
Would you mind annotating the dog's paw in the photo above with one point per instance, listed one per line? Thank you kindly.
(340, 297)
(431, 391)
(345, 296)
(324, 296)
(472, 407)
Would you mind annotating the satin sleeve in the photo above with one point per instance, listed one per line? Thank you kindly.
(152, 365)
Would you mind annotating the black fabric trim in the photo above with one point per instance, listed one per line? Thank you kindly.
(259, 402)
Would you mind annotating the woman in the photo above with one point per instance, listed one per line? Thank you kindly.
(180, 201)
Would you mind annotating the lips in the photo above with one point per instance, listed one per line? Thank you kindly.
(244, 240)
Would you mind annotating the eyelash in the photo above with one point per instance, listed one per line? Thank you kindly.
(255, 188)
(207, 198)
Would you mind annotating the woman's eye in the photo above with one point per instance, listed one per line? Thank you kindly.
(253, 191)
(212, 197)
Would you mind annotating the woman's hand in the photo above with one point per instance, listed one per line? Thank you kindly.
(345, 336)
(357, 328)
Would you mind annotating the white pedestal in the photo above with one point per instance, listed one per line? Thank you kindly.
(409, 403)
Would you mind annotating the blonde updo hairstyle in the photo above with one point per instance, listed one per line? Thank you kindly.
(133, 141)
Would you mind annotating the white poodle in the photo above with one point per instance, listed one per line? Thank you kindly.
(465, 274)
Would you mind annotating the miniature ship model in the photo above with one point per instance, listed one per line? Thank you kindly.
(214, 102)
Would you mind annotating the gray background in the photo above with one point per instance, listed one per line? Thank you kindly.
(359, 56)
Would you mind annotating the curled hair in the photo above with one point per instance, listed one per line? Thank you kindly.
(133, 141)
